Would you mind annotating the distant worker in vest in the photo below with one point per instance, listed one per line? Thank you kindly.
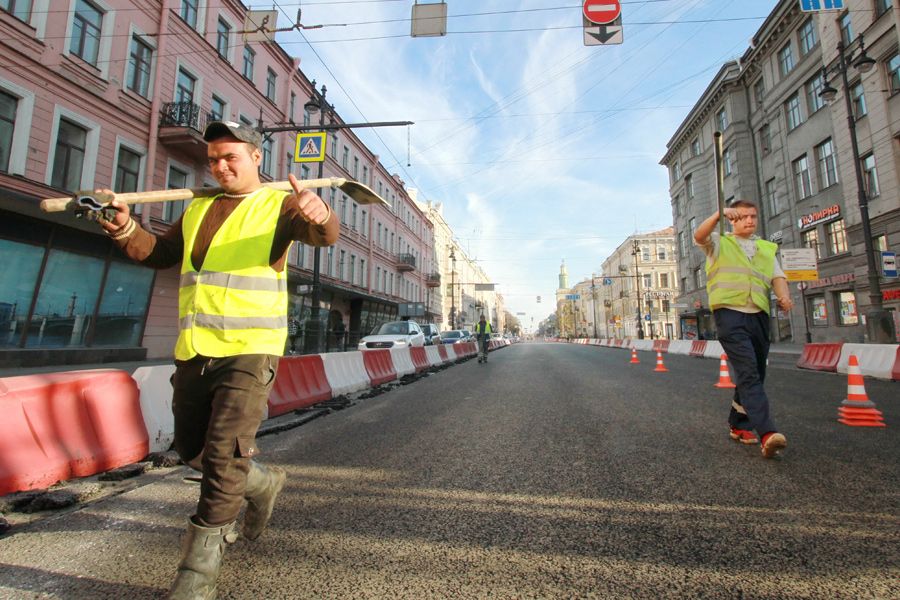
(741, 270)
(233, 325)
(483, 335)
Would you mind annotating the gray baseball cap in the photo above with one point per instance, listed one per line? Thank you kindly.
(245, 133)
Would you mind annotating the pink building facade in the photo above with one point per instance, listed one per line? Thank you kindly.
(115, 94)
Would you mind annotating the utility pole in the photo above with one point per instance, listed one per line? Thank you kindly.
(637, 276)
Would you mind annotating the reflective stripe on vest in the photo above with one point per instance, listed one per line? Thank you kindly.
(236, 303)
(733, 280)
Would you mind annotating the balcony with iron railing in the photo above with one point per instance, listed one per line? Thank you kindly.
(406, 262)
(181, 126)
(433, 280)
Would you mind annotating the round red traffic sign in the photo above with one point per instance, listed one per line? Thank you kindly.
(602, 12)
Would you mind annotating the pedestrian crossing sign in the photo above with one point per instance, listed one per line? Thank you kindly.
(310, 147)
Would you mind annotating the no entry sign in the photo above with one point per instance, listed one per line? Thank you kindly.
(602, 12)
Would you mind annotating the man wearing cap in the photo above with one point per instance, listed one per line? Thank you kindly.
(232, 318)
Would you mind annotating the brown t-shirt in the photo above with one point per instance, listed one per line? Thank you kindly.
(166, 250)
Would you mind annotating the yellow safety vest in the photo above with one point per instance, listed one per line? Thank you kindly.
(237, 303)
(734, 280)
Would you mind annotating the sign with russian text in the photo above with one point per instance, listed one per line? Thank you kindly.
(817, 5)
(800, 264)
(889, 264)
(820, 216)
(573, 296)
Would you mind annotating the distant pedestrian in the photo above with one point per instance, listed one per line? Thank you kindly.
(741, 272)
(293, 332)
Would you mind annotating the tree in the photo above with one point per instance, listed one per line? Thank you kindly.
(512, 324)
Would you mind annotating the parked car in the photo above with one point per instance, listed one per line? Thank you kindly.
(469, 336)
(395, 334)
(432, 335)
(454, 336)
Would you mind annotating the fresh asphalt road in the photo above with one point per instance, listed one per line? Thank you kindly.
(553, 471)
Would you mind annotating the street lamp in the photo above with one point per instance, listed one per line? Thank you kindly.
(594, 303)
(316, 104)
(452, 289)
(637, 276)
(879, 324)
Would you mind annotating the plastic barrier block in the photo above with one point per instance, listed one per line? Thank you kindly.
(403, 363)
(346, 372)
(698, 348)
(445, 355)
(419, 359)
(299, 383)
(680, 347)
(433, 355)
(875, 360)
(379, 366)
(714, 349)
(662, 346)
(895, 372)
(820, 356)
(57, 426)
(155, 384)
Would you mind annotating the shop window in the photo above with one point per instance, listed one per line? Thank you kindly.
(66, 301)
(846, 303)
(818, 311)
(17, 283)
(123, 306)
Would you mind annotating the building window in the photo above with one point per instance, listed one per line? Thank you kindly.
(792, 111)
(648, 280)
(363, 223)
(86, 23)
(8, 106)
(676, 171)
(808, 37)
(879, 243)
(818, 311)
(827, 167)
(765, 139)
(184, 90)
(722, 119)
(68, 161)
(689, 186)
(189, 12)
(698, 278)
(139, 67)
(893, 67)
(837, 237)
(356, 168)
(663, 280)
(728, 161)
(846, 28)
(802, 183)
(177, 179)
(645, 253)
(343, 209)
(271, 81)
(870, 175)
(217, 108)
(20, 9)
(786, 60)
(882, 6)
(363, 275)
(365, 177)
(334, 146)
(810, 239)
(695, 147)
(223, 38)
(345, 158)
(249, 57)
(846, 302)
(661, 252)
(341, 265)
(352, 278)
(266, 164)
(353, 215)
(772, 197)
(858, 97)
(813, 100)
(128, 171)
(759, 91)
(692, 225)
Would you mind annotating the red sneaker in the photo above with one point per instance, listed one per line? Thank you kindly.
(773, 443)
(743, 436)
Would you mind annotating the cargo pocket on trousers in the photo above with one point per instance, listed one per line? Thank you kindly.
(246, 447)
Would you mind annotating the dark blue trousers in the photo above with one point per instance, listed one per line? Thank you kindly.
(745, 339)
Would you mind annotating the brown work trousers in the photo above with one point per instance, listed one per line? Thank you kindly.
(218, 405)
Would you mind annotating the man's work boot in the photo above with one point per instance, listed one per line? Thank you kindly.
(263, 485)
(201, 559)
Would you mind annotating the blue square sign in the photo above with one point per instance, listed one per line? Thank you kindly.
(815, 5)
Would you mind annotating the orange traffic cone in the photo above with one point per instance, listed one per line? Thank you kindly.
(857, 410)
(634, 358)
(724, 377)
(660, 367)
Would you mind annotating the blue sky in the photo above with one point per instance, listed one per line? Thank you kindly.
(540, 148)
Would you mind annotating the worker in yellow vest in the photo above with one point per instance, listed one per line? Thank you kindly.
(483, 333)
(233, 324)
(741, 270)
